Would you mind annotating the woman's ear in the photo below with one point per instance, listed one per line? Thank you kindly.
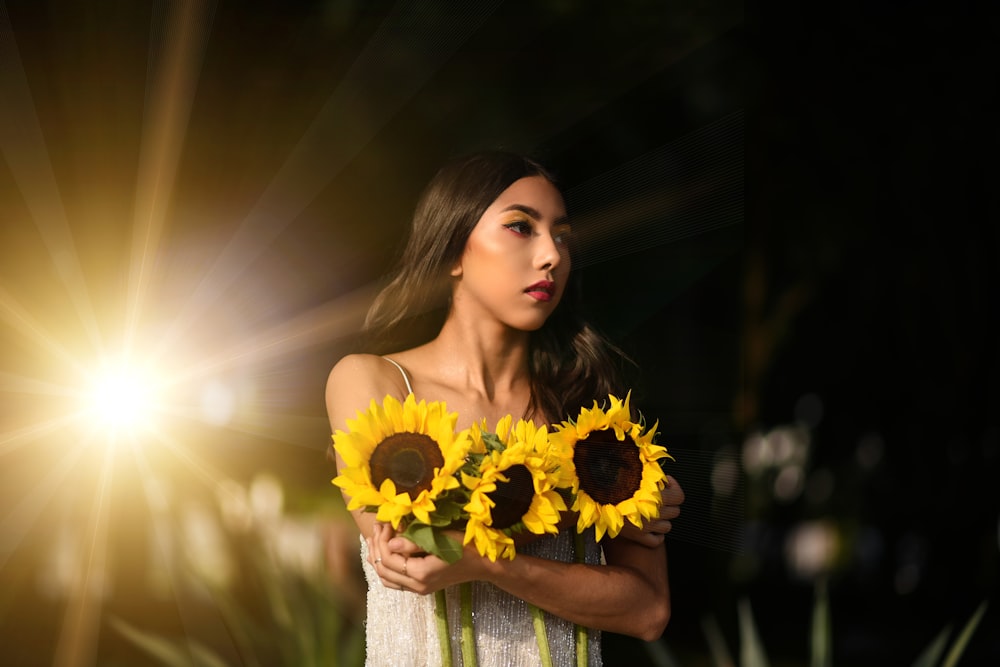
(456, 271)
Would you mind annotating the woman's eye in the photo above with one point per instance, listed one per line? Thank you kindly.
(562, 236)
(519, 227)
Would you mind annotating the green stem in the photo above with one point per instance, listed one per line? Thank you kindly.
(444, 637)
(468, 632)
(538, 620)
(580, 632)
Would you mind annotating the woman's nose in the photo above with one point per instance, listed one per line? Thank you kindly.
(549, 255)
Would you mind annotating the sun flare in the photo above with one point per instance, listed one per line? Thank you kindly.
(122, 397)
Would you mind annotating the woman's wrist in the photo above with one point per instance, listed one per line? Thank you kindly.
(491, 571)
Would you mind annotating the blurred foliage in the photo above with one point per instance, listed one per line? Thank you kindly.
(752, 651)
(291, 596)
(306, 625)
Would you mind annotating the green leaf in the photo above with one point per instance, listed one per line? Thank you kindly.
(964, 636)
(446, 512)
(492, 442)
(932, 653)
(434, 541)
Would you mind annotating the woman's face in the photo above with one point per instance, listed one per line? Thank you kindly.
(516, 261)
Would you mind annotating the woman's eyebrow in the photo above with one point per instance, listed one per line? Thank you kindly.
(533, 212)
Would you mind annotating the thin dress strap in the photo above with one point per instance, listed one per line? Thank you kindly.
(406, 378)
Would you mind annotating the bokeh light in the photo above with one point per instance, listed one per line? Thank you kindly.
(811, 548)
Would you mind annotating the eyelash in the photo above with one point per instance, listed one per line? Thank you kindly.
(519, 227)
(523, 228)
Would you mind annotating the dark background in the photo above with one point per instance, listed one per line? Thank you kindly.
(784, 220)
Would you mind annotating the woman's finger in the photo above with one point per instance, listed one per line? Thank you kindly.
(672, 493)
(669, 511)
(650, 539)
(392, 567)
(659, 526)
(401, 545)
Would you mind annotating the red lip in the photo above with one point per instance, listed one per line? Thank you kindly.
(543, 290)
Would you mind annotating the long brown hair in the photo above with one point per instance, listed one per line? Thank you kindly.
(571, 364)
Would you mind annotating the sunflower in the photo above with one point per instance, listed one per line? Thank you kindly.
(613, 467)
(399, 458)
(513, 487)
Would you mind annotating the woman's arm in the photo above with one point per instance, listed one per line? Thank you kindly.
(630, 595)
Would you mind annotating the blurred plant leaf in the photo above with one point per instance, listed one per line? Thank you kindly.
(821, 644)
(751, 648)
(283, 616)
(180, 653)
(716, 643)
(660, 655)
(241, 627)
(964, 636)
(930, 656)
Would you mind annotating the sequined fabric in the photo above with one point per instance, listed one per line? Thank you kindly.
(401, 630)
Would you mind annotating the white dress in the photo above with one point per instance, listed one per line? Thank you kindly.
(401, 629)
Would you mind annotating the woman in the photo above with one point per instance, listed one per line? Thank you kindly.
(486, 267)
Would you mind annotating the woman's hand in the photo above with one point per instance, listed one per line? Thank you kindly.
(403, 565)
(652, 532)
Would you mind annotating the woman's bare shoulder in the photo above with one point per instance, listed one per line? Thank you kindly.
(368, 364)
(365, 370)
(356, 380)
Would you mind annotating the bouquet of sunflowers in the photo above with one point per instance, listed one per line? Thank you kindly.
(407, 463)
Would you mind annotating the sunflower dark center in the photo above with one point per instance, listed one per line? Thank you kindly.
(513, 498)
(610, 470)
(409, 460)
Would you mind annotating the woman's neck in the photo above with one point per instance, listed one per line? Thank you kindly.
(487, 359)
